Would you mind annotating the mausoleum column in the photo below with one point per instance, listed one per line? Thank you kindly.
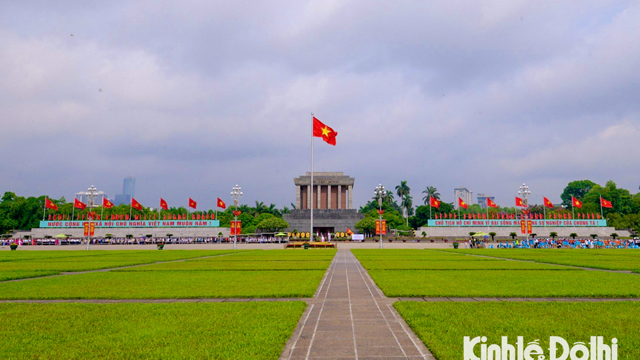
(339, 196)
(309, 198)
(319, 197)
(350, 203)
(328, 196)
(297, 196)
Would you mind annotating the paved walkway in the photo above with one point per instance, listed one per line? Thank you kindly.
(350, 318)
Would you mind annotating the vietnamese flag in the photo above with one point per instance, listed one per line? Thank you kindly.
(462, 204)
(576, 203)
(490, 203)
(135, 204)
(163, 204)
(192, 203)
(605, 203)
(434, 202)
(221, 204)
(79, 204)
(106, 203)
(326, 133)
(49, 204)
(548, 203)
(519, 202)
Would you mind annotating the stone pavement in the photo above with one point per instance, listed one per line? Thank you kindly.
(350, 318)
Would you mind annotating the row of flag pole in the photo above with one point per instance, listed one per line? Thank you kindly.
(107, 204)
(575, 203)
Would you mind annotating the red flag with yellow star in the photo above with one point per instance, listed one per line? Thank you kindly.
(519, 202)
(326, 133)
(490, 203)
(576, 203)
(548, 203)
(434, 202)
(192, 203)
(462, 204)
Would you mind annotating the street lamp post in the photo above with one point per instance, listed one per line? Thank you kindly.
(524, 192)
(90, 197)
(380, 193)
(236, 193)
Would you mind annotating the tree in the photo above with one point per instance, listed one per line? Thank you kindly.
(493, 235)
(431, 192)
(573, 235)
(272, 224)
(553, 234)
(614, 235)
(513, 235)
(403, 190)
(366, 225)
(577, 189)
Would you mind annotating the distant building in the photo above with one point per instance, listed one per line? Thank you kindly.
(128, 191)
(331, 197)
(482, 200)
(464, 194)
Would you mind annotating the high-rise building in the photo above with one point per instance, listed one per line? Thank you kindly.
(128, 191)
(464, 194)
(482, 200)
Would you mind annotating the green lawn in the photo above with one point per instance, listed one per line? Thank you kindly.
(609, 259)
(167, 284)
(24, 274)
(410, 254)
(147, 331)
(505, 283)
(226, 265)
(42, 262)
(443, 325)
(457, 265)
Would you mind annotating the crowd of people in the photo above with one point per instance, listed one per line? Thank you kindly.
(560, 243)
(142, 240)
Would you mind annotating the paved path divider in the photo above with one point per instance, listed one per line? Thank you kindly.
(350, 318)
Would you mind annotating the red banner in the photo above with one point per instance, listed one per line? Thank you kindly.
(92, 228)
(236, 227)
(529, 227)
(523, 227)
(86, 229)
(384, 227)
(377, 227)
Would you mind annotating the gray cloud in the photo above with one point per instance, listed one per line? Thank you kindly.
(192, 98)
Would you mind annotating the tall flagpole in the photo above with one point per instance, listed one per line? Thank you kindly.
(311, 183)
(429, 207)
(44, 209)
(601, 212)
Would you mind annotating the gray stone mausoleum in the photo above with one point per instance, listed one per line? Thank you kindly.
(331, 197)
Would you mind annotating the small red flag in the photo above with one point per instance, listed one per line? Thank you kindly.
(548, 203)
(606, 203)
(462, 204)
(49, 204)
(79, 204)
(106, 203)
(349, 231)
(519, 202)
(135, 204)
(192, 203)
(326, 133)
(576, 203)
(490, 203)
(221, 204)
(434, 202)
(163, 204)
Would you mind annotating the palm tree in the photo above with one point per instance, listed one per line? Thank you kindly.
(403, 191)
(431, 192)
(407, 204)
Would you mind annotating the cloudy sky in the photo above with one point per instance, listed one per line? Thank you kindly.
(192, 97)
